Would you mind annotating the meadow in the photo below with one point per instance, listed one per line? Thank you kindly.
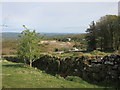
(18, 75)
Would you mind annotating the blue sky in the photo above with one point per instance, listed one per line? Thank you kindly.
(61, 17)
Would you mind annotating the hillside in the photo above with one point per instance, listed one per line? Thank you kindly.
(16, 75)
(9, 43)
(14, 36)
(10, 36)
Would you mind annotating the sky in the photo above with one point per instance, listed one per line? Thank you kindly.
(53, 17)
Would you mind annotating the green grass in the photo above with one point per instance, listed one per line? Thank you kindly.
(16, 75)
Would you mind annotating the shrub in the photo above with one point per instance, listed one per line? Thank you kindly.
(56, 49)
(95, 52)
(78, 54)
(58, 76)
(74, 78)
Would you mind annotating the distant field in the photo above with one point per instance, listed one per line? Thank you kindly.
(16, 75)
(14, 36)
(10, 46)
(10, 41)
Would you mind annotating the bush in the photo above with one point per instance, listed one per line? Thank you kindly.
(58, 76)
(56, 49)
(13, 53)
(95, 52)
(74, 78)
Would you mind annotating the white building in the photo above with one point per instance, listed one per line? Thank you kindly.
(75, 49)
(69, 39)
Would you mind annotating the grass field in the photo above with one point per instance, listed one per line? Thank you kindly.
(17, 75)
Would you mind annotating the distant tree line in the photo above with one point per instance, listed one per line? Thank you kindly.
(73, 37)
(104, 34)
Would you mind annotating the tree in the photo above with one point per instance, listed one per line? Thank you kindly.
(91, 37)
(117, 34)
(104, 34)
(107, 29)
(28, 48)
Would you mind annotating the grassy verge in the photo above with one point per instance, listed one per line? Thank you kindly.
(16, 75)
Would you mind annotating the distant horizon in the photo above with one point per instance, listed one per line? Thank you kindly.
(52, 32)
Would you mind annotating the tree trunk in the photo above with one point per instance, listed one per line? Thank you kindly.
(30, 63)
(30, 57)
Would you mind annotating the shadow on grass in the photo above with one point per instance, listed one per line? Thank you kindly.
(14, 59)
(113, 85)
(14, 65)
(107, 85)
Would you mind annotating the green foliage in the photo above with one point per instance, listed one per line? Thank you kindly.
(74, 78)
(58, 76)
(104, 34)
(96, 52)
(91, 37)
(28, 46)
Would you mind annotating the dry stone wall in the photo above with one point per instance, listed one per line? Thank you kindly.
(105, 70)
(95, 69)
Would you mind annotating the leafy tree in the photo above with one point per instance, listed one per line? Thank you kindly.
(117, 34)
(91, 37)
(28, 48)
(109, 29)
(104, 34)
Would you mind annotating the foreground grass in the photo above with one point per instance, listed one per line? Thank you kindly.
(16, 75)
